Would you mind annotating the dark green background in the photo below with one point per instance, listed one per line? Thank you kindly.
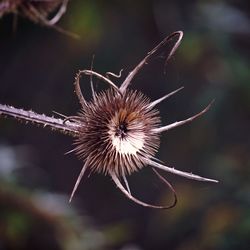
(37, 69)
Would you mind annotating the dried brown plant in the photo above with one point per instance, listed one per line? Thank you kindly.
(118, 131)
(38, 11)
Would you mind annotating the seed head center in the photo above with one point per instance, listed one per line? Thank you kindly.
(126, 138)
(121, 130)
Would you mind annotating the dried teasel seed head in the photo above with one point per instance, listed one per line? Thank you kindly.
(44, 12)
(116, 133)
(26, 8)
(119, 129)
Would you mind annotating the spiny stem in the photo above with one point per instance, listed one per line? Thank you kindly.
(179, 172)
(180, 123)
(56, 124)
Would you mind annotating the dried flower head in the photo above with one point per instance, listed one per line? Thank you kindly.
(118, 131)
(38, 11)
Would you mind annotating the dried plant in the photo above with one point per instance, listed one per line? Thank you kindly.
(38, 11)
(118, 131)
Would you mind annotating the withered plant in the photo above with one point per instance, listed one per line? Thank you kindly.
(43, 12)
(118, 131)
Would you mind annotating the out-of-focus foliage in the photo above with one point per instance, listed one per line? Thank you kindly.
(37, 68)
(37, 219)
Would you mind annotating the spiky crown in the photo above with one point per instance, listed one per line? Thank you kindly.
(116, 132)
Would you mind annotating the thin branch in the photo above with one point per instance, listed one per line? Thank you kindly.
(56, 124)
(57, 113)
(129, 196)
(30, 9)
(180, 123)
(59, 13)
(113, 74)
(78, 180)
(178, 172)
(126, 183)
(169, 185)
(154, 103)
(91, 80)
(101, 77)
(78, 90)
(149, 56)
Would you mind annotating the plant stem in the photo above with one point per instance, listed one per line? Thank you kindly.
(56, 124)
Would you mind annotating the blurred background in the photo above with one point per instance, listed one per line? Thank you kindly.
(37, 69)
